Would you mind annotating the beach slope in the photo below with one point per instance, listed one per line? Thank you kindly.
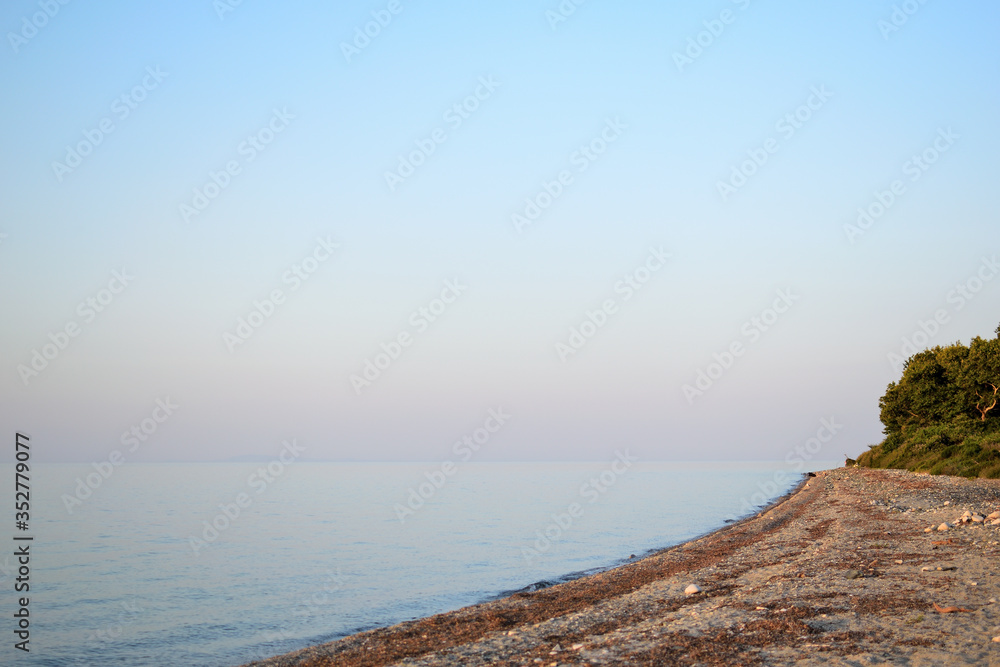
(841, 572)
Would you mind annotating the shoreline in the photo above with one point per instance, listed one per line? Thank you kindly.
(837, 559)
(555, 581)
(566, 578)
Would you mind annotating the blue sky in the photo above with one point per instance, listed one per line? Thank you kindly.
(221, 79)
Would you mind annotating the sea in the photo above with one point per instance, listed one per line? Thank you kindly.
(225, 563)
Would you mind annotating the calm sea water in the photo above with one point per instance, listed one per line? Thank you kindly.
(321, 551)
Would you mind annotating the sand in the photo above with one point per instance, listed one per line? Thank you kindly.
(840, 572)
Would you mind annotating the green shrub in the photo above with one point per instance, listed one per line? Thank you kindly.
(942, 415)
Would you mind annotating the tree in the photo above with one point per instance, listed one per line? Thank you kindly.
(928, 392)
(943, 414)
(945, 385)
(980, 375)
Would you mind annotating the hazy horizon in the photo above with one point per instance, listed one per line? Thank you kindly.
(693, 231)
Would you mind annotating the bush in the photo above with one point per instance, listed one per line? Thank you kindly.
(938, 417)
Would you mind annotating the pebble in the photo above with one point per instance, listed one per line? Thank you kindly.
(944, 526)
(997, 639)
(692, 589)
(929, 530)
(853, 574)
(994, 515)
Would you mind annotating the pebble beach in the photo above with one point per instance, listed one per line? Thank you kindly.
(854, 567)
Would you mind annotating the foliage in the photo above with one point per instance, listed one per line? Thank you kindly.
(943, 415)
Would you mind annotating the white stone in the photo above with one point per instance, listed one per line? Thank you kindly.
(692, 589)
(943, 526)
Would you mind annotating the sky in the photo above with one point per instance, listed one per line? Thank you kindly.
(700, 231)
